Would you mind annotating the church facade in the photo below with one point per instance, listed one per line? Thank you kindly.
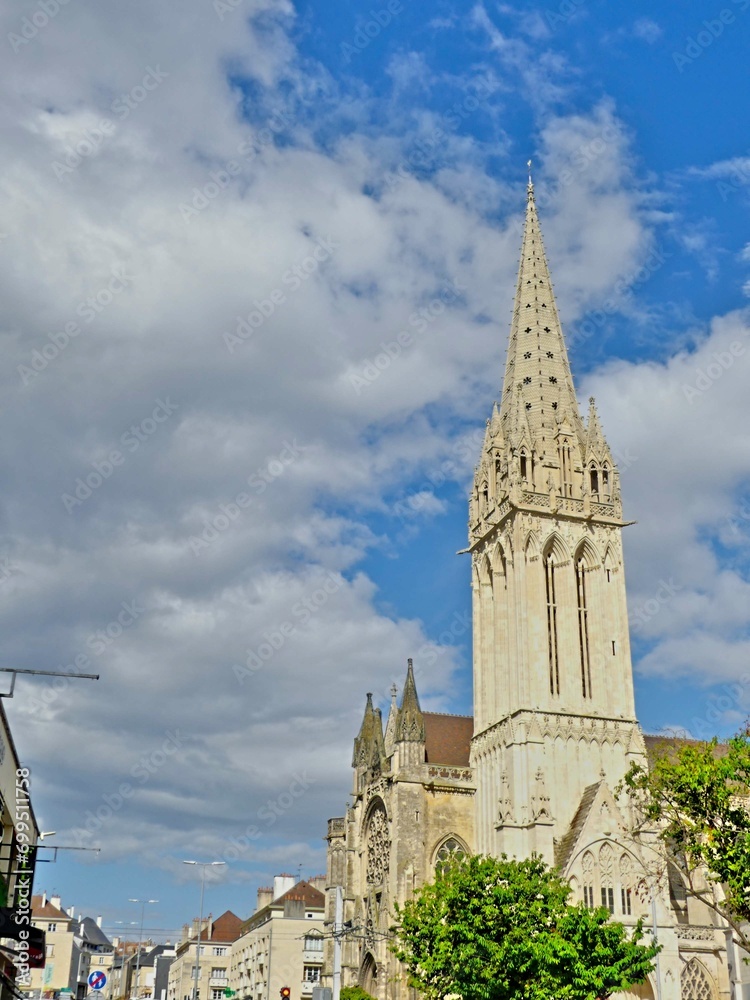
(554, 727)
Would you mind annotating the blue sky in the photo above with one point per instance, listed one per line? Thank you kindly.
(213, 218)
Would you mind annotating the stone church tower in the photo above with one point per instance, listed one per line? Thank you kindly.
(554, 727)
(553, 686)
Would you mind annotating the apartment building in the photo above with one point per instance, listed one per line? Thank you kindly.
(281, 944)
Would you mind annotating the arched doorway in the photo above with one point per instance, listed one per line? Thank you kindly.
(368, 975)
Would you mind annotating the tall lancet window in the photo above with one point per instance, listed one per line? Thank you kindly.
(583, 627)
(554, 663)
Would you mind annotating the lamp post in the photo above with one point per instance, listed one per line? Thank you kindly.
(140, 938)
(203, 865)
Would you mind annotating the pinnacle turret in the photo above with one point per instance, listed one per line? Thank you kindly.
(410, 723)
(369, 748)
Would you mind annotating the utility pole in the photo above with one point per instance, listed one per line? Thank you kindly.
(338, 931)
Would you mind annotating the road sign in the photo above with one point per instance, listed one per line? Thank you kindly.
(97, 980)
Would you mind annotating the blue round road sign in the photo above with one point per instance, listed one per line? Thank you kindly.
(97, 981)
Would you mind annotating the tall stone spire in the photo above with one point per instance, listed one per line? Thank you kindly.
(537, 371)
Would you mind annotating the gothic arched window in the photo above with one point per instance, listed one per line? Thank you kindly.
(550, 582)
(583, 626)
(449, 851)
(594, 479)
(378, 847)
(695, 983)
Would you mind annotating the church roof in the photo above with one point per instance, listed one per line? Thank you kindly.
(564, 848)
(448, 738)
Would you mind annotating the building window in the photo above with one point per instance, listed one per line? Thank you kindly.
(219, 951)
(627, 902)
(449, 852)
(554, 666)
(583, 628)
(313, 943)
(695, 983)
(51, 928)
(311, 973)
(217, 973)
(50, 950)
(217, 994)
(608, 898)
(588, 896)
(594, 480)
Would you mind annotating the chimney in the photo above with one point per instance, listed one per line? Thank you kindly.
(318, 882)
(265, 896)
(44, 899)
(70, 911)
(282, 884)
(99, 921)
(56, 901)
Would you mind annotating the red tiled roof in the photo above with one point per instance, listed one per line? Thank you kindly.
(448, 738)
(226, 928)
(46, 912)
(309, 895)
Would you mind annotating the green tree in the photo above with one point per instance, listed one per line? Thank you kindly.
(355, 993)
(696, 796)
(490, 929)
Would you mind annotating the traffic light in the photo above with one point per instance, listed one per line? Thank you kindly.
(285, 993)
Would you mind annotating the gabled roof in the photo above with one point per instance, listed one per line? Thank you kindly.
(302, 891)
(448, 738)
(47, 911)
(225, 928)
(564, 849)
(92, 932)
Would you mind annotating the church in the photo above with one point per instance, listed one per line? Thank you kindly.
(554, 727)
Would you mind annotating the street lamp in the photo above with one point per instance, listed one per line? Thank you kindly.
(203, 865)
(140, 938)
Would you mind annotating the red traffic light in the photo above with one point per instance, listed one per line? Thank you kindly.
(285, 993)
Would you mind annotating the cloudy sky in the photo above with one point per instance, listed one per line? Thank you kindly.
(235, 455)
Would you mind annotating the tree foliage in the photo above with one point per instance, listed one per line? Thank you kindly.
(354, 993)
(697, 796)
(490, 929)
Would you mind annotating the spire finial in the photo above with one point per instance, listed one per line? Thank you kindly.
(530, 189)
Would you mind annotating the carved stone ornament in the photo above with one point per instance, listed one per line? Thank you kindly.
(378, 848)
